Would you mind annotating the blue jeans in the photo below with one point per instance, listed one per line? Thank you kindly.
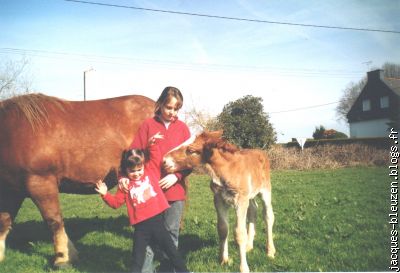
(153, 229)
(172, 220)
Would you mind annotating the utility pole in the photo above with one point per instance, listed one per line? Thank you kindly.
(84, 82)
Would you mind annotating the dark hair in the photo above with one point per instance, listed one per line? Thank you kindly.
(168, 93)
(131, 158)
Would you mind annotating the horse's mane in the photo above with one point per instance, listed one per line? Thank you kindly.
(32, 107)
(223, 145)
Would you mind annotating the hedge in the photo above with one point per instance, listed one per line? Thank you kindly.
(377, 142)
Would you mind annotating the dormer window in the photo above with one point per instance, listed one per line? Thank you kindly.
(366, 105)
(385, 102)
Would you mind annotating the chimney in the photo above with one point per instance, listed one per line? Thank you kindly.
(375, 74)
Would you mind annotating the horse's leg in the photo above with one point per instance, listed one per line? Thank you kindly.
(241, 232)
(10, 203)
(251, 218)
(269, 219)
(222, 227)
(44, 193)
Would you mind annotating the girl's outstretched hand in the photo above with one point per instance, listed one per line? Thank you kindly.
(101, 187)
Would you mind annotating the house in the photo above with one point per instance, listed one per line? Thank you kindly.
(377, 106)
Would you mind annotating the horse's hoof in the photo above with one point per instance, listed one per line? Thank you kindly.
(244, 269)
(271, 255)
(226, 261)
(62, 265)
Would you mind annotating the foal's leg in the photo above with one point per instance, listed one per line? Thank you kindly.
(10, 203)
(222, 227)
(251, 218)
(241, 232)
(269, 219)
(44, 193)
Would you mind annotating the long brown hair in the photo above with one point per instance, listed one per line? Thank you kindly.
(168, 93)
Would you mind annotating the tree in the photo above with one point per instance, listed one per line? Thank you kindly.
(353, 90)
(322, 133)
(391, 70)
(199, 121)
(245, 123)
(13, 78)
(333, 134)
(319, 132)
(350, 94)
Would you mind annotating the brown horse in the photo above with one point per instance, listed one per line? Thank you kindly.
(49, 145)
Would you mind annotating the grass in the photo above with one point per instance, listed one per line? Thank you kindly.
(326, 220)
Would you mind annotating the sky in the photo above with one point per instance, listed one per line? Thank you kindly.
(300, 72)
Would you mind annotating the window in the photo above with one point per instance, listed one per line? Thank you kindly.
(385, 102)
(366, 105)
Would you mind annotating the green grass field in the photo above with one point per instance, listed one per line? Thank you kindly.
(325, 220)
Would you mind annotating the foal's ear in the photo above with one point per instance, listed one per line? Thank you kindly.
(216, 134)
(212, 136)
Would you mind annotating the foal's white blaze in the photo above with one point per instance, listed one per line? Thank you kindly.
(169, 163)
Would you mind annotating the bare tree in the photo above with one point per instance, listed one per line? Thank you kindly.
(351, 92)
(391, 70)
(14, 78)
(199, 120)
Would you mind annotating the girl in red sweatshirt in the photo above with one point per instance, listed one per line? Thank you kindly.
(166, 131)
(145, 203)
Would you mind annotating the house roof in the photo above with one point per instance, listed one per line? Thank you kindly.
(376, 83)
(394, 84)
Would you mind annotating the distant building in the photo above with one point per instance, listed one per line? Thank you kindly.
(377, 106)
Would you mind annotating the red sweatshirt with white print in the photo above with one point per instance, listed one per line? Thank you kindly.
(175, 134)
(145, 198)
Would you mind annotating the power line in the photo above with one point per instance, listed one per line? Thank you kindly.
(304, 108)
(235, 18)
(124, 60)
(47, 54)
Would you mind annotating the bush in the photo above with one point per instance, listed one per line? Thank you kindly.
(245, 123)
(322, 133)
(373, 142)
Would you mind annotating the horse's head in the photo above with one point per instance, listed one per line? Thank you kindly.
(195, 151)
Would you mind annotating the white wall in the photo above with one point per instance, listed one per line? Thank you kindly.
(371, 128)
